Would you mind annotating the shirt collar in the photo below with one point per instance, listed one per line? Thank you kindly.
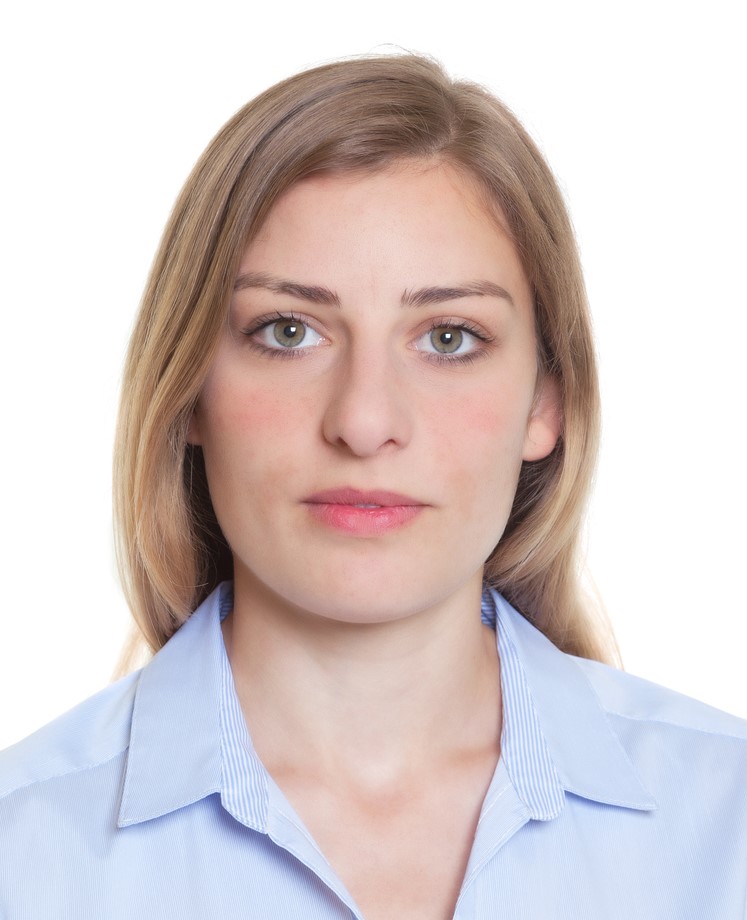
(188, 738)
(556, 737)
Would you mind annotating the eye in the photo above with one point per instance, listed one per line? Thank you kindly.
(446, 339)
(283, 333)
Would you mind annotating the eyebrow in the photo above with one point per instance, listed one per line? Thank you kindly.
(424, 297)
(310, 292)
(421, 297)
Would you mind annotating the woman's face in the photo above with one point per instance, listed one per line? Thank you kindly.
(373, 396)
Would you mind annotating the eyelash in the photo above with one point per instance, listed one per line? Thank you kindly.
(262, 322)
(269, 319)
(463, 326)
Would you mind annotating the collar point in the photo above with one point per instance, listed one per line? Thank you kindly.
(638, 800)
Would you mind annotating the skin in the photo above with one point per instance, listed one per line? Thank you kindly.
(369, 685)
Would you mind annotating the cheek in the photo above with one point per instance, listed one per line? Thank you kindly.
(231, 412)
(481, 424)
(479, 441)
(257, 417)
(250, 438)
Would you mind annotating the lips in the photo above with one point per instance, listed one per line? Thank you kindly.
(358, 497)
(363, 513)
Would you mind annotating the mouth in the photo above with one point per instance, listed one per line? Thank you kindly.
(358, 498)
(363, 513)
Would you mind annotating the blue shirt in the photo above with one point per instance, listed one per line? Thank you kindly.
(613, 798)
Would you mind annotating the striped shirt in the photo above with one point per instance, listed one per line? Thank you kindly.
(613, 798)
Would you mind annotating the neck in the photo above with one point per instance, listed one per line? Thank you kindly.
(374, 701)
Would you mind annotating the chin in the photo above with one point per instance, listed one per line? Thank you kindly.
(371, 599)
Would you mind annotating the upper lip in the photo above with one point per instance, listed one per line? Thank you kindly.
(348, 496)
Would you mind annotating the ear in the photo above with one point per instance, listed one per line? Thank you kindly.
(545, 421)
(193, 429)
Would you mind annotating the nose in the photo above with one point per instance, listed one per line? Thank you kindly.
(368, 409)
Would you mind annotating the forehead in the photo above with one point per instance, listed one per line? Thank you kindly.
(415, 223)
(433, 185)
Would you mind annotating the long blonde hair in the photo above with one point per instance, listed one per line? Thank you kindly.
(360, 114)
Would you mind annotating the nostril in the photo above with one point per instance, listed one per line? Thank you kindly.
(366, 415)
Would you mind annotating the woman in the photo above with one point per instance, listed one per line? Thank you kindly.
(359, 406)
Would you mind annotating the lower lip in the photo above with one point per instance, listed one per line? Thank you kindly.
(364, 522)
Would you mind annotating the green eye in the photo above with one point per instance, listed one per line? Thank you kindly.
(288, 333)
(446, 339)
(284, 335)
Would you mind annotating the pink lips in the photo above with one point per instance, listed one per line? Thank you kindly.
(363, 513)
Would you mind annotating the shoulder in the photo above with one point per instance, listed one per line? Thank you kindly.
(634, 699)
(90, 734)
(678, 746)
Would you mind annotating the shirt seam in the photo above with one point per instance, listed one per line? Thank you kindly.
(671, 724)
(150, 816)
(304, 832)
(519, 822)
(62, 773)
(654, 721)
(496, 798)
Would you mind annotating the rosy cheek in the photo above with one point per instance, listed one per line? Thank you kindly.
(479, 417)
(478, 443)
(234, 408)
(252, 415)
(256, 436)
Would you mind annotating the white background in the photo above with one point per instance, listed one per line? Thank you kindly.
(640, 111)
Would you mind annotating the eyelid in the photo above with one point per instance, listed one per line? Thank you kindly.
(481, 338)
(261, 323)
(457, 322)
